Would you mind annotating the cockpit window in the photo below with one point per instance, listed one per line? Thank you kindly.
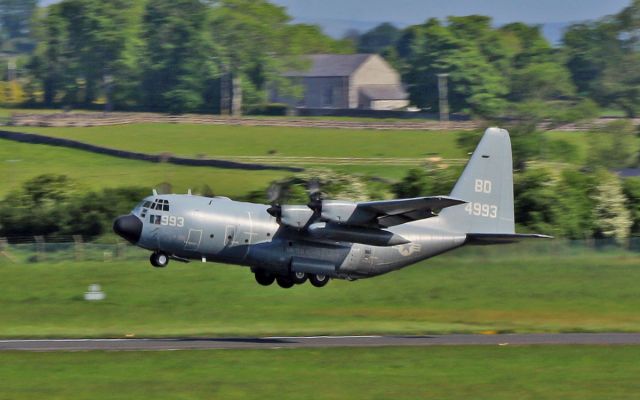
(161, 205)
(146, 204)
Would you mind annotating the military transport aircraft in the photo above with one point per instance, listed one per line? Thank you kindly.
(326, 239)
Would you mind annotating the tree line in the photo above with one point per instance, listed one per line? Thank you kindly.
(493, 69)
(175, 55)
(165, 55)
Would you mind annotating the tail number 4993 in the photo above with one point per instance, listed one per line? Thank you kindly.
(482, 210)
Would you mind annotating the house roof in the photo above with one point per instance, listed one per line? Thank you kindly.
(324, 65)
(384, 92)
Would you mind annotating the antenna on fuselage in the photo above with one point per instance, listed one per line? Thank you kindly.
(155, 192)
(189, 192)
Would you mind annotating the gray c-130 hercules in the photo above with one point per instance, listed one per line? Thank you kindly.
(326, 239)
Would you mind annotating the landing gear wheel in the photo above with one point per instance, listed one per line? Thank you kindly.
(298, 277)
(284, 282)
(264, 278)
(159, 260)
(318, 280)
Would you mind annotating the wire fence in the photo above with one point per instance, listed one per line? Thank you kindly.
(40, 251)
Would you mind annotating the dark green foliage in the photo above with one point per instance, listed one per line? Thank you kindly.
(559, 205)
(631, 187)
(168, 55)
(613, 146)
(176, 64)
(429, 181)
(603, 58)
(53, 205)
(475, 82)
(272, 109)
(378, 39)
(535, 201)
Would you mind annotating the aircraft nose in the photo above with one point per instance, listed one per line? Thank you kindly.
(129, 227)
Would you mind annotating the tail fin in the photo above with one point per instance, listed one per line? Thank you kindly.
(487, 185)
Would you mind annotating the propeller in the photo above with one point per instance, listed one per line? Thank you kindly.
(274, 195)
(315, 195)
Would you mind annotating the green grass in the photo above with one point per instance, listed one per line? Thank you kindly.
(552, 372)
(501, 290)
(237, 141)
(215, 140)
(95, 171)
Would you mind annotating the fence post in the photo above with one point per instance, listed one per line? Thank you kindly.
(78, 247)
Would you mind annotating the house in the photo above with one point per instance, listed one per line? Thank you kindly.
(348, 81)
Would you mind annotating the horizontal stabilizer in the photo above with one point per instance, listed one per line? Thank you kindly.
(500, 238)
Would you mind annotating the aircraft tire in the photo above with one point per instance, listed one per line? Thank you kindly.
(264, 278)
(159, 260)
(318, 280)
(284, 282)
(299, 277)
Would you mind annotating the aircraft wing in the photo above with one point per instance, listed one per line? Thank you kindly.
(388, 213)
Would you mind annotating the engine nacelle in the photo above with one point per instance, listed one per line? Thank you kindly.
(295, 216)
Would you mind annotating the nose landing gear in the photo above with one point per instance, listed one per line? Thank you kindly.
(159, 259)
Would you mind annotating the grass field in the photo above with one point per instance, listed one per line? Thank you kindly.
(506, 290)
(218, 140)
(553, 372)
(239, 141)
(20, 162)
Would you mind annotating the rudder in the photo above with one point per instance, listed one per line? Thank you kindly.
(487, 185)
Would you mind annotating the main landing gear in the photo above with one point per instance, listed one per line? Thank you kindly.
(265, 278)
(159, 260)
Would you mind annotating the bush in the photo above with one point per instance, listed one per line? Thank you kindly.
(272, 109)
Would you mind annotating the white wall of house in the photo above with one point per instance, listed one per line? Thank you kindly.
(388, 104)
(374, 71)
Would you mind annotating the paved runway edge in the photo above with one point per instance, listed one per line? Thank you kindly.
(283, 342)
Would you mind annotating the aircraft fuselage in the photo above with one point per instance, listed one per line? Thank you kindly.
(222, 230)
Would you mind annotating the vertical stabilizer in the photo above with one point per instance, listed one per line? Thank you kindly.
(487, 185)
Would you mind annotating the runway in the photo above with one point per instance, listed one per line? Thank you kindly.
(285, 342)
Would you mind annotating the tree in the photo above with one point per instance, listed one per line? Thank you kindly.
(256, 43)
(177, 55)
(541, 81)
(428, 181)
(631, 189)
(80, 43)
(613, 146)
(475, 84)
(536, 198)
(378, 39)
(612, 219)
